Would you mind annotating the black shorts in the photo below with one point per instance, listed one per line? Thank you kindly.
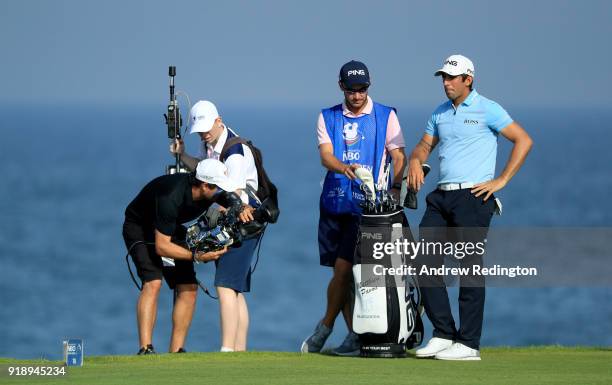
(149, 265)
(337, 237)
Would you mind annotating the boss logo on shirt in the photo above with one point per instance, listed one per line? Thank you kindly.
(355, 72)
(470, 121)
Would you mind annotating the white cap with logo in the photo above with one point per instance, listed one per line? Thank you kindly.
(203, 115)
(214, 172)
(456, 65)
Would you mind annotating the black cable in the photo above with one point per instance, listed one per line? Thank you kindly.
(127, 260)
(205, 289)
(258, 249)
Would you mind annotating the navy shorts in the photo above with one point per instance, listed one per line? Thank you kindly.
(234, 267)
(337, 237)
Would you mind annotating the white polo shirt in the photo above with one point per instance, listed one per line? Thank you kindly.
(240, 164)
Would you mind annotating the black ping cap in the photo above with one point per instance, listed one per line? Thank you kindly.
(354, 73)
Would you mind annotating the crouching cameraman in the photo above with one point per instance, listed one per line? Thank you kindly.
(153, 228)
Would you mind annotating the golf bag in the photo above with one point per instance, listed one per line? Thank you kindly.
(387, 311)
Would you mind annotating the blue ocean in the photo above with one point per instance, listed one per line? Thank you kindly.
(68, 172)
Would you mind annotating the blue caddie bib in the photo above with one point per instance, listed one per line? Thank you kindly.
(355, 140)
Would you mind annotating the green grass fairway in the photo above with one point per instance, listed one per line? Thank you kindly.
(534, 365)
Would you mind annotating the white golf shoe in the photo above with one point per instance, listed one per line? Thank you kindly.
(459, 352)
(433, 347)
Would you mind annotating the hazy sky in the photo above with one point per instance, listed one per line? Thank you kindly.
(527, 53)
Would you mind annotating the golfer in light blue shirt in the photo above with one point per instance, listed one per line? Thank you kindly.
(466, 127)
(467, 137)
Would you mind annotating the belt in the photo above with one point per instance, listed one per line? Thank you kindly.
(455, 186)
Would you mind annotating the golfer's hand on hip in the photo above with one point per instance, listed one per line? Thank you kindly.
(488, 188)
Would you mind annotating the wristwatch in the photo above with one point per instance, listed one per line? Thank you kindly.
(397, 185)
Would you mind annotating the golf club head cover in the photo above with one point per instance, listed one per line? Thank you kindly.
(410, 201)
(368, 180)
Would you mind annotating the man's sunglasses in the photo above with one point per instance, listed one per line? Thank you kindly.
(358, 91)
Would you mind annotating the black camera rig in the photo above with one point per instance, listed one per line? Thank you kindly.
(216, 229)
(174, 123)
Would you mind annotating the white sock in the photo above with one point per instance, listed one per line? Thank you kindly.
(226, 350)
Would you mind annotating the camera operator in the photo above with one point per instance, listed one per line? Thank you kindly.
(153, 228)
(233, 273)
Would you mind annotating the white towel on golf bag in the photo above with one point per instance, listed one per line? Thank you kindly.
(370, 312)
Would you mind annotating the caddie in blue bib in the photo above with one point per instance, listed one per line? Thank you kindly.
(356, 141)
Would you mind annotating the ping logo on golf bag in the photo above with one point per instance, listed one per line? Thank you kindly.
(375, 236)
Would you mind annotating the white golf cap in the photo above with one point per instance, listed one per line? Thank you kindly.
(214, 172)
(203, 115)
(456, 65)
